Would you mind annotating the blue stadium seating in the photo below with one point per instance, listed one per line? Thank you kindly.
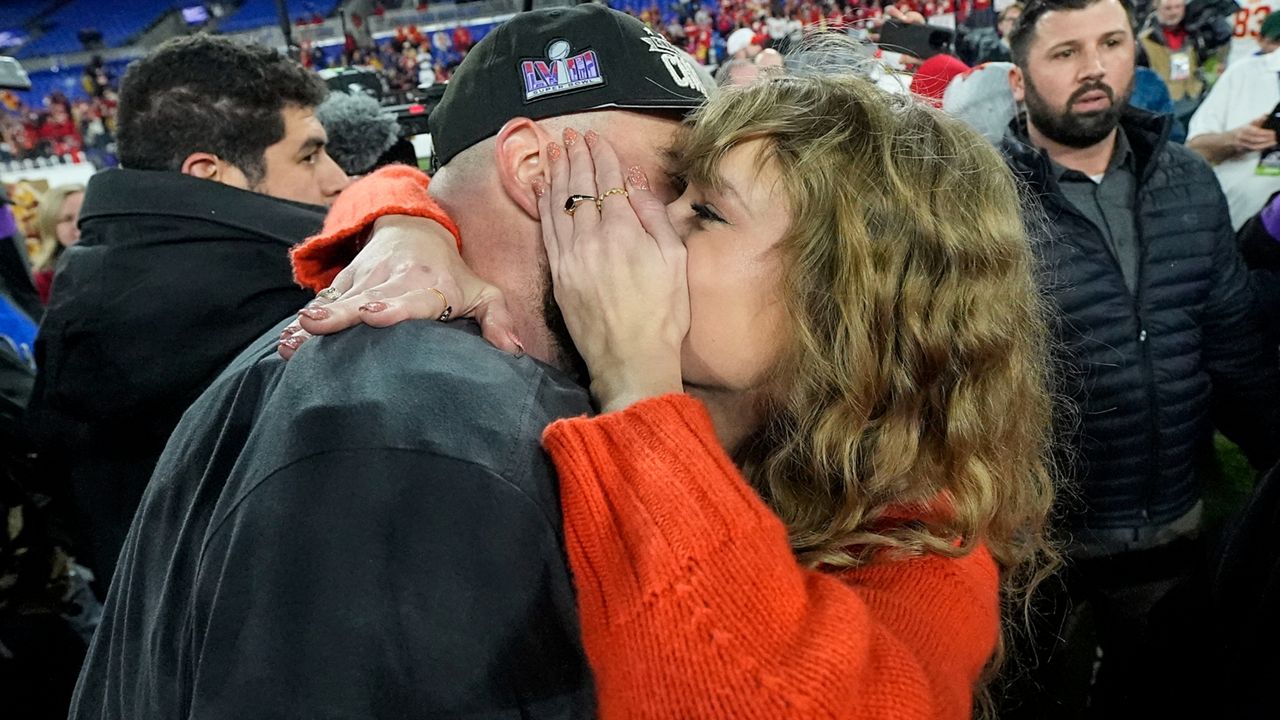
(16, 15)
(261, 13)
(65, 80)
(117, 20)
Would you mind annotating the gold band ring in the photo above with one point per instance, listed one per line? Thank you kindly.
(330, 294)
(448, 309)
(610, 193)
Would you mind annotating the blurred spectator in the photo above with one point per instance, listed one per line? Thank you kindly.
(1259, 240)
(19, 306)
(1172, 54)
(983, 99)
(1268, 43)
(1007, 19)
(934, 75)
(59, 214)
(737, 71)
(1228, 131)
(183, 261)
(95, 79)
(769, 58)
(15, 270)
(977, 45)
(741, 45)
(1151, 94)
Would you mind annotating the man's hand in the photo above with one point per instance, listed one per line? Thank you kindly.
(1220, 147)
(1253, 137)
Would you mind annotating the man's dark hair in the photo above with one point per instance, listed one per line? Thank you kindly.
(205, 93)
(1024, 32)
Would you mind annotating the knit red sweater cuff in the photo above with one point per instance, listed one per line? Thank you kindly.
(392, 190)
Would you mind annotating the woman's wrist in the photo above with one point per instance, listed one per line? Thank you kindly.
(409, 227)
(636, 378)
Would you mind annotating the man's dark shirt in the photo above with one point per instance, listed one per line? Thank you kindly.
(370, 530)
(1109, 205)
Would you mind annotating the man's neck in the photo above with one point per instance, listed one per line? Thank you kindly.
(1091, 161)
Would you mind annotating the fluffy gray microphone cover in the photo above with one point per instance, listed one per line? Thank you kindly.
(359, 130)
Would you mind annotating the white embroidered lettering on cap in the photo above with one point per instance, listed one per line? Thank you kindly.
(677, 64)
(559, 72)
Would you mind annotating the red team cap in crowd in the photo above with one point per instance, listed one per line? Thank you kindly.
(561, 61)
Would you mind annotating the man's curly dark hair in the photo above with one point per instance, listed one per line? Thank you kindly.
(211, 94)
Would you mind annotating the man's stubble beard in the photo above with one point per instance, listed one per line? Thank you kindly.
(568, 358)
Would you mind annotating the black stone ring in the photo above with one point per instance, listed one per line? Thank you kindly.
(571, 205)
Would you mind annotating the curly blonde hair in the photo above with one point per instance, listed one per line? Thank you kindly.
(911, 412)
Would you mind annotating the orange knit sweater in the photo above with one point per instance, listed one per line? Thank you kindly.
(691, 603)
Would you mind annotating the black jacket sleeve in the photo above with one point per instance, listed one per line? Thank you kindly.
(385, 584)
(1239, 357)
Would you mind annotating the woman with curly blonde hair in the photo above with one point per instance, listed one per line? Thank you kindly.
(820, 475)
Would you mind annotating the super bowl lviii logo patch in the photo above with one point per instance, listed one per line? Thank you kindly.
(560, 72)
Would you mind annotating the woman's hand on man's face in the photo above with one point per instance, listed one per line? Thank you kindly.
(409, 270)
(618, 270)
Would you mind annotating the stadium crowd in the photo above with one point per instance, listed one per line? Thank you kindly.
(731, 361)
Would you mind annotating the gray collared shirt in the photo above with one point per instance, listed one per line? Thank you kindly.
(1108, 202)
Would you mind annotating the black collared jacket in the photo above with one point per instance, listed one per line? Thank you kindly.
(173, 276)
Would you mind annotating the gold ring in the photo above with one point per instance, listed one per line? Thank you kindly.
(571, 205)
(330, 294)
(610, 193)
(448, 309)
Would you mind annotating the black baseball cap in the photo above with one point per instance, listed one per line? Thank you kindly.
(560, 61)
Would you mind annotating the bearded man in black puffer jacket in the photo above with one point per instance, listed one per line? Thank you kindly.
(1157, 324)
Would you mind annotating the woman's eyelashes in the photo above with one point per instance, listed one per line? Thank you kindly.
(706, 213)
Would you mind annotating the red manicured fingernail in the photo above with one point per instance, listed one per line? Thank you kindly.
(570, 137)
(539, 187)
(292, 343)
(553, 151)
(592, 137)
(637, 178)
(316, 313)
(373, 307)
(289, 331)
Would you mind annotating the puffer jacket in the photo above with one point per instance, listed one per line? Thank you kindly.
(1149, 372)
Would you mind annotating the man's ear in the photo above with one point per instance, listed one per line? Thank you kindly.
(520, 155)
(1017, 83)
(205, 166)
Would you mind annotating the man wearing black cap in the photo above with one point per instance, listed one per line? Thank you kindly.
(372, 530)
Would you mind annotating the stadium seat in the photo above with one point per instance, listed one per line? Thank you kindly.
(261, 13)
(118, 21)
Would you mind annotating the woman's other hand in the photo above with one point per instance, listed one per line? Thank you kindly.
(618, 270)
(409, 270)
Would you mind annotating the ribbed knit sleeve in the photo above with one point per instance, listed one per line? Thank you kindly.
(392, 190)
(693, 606)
